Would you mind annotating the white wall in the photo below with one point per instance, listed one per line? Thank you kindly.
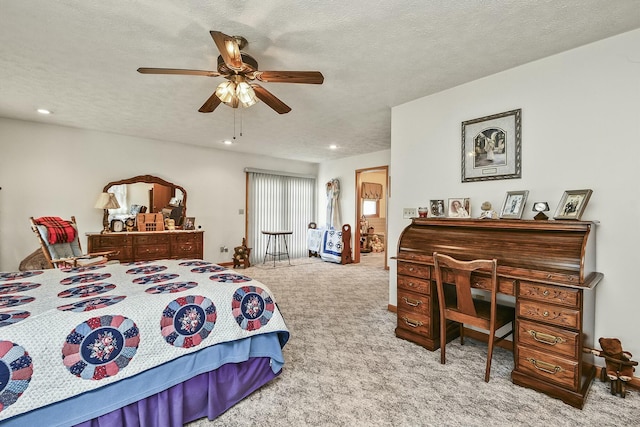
(60, 171)
(580, 129)
(345, 171)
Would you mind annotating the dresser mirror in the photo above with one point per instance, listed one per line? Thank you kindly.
(147, 194)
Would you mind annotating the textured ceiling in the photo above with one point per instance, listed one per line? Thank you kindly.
(79, 59)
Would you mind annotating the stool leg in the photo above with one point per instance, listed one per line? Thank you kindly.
(284, 239)
(266, 250)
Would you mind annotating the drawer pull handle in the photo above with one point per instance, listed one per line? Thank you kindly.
(546, 338)
(412, 323)
(411, 284)
(546, 292)
(544, 366)
(545, 313)
(412, 302)
(410, 268)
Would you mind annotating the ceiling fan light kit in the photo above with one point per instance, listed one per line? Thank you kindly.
(241, 72)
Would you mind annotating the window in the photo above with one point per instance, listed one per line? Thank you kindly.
(279, 203)
(370, 208)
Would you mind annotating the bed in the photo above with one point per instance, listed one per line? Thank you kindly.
(330, 244)
(154, 343)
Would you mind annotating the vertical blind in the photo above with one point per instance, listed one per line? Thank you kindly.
(279, 203)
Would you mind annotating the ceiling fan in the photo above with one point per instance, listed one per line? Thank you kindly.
(241, 71)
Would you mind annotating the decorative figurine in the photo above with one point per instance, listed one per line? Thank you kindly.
(487, 212)
(619, 366)
(241, 255)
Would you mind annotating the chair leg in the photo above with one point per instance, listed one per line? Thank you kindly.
(461, 333)
(487, 372)
(443, 340)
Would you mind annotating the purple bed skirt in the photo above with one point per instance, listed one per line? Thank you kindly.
(206, 395)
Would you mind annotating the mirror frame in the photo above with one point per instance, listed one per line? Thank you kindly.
(150, 179)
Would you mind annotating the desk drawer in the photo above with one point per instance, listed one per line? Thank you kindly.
(411, 301)
(548, 339)
(415, 322)
(548, 313)
(415, 270)
(548, 293)
(548, 367)
(414, 284)
(505, 286)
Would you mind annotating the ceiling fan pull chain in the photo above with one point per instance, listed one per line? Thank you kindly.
(240, 122)
(234, 123)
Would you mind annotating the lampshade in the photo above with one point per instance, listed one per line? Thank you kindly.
(107, 201)
(236, 92)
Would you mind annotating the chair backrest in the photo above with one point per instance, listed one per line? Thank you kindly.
(459, 306)
(60, 250)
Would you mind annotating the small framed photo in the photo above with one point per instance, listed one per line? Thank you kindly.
(572, 204)
(459, 208)
(514, 204)
(189, 223)
(436, 208)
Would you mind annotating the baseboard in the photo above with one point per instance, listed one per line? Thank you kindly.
(225, 264)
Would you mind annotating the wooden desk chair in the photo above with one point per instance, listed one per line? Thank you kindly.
(61, 245)
(458, 304)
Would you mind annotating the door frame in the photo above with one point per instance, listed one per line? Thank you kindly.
(356, 240)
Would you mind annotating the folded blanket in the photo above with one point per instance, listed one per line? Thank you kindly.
(59, 230)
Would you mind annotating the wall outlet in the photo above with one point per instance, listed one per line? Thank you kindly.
(409, 212)
(240, 211)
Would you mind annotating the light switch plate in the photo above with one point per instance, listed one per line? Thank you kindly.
(409, 212)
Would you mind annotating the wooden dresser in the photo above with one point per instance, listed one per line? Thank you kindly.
(142, 246)
(549, 269)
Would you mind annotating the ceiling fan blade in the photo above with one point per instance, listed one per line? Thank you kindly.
(178, 71)
(270, 99)
(210, 104)
(309, 77)
(229, 50)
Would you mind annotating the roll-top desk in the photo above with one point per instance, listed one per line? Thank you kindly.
(548, 266)
(145, 246)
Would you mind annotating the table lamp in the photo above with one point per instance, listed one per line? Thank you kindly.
(541, 208)
(105, 202)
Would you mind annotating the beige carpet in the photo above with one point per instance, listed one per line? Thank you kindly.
(345, 367)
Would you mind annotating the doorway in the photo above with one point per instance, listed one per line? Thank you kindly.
(370, 239)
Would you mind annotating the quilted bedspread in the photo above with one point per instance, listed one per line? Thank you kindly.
(65, 332)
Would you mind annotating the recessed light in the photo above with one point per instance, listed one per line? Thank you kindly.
(227, 142)
(43, 111)
(333, 147)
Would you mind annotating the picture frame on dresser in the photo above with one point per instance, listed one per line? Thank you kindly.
(189, 223)
(492, 147)
(513, 205)
(459, 208)
(572, 204)
(436, 208)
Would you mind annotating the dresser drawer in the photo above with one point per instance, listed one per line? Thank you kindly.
(150, 252)
(415, 270)
(549, 367)
(548, 293)
(418, 323)
(109, 240)
(414, 284)
(411, 301)
(151, 239)
(548, 339)
(548, 313)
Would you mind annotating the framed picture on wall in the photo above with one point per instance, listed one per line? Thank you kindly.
(459, 208)
(572, 204)
(513, 205)
(492, 147)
